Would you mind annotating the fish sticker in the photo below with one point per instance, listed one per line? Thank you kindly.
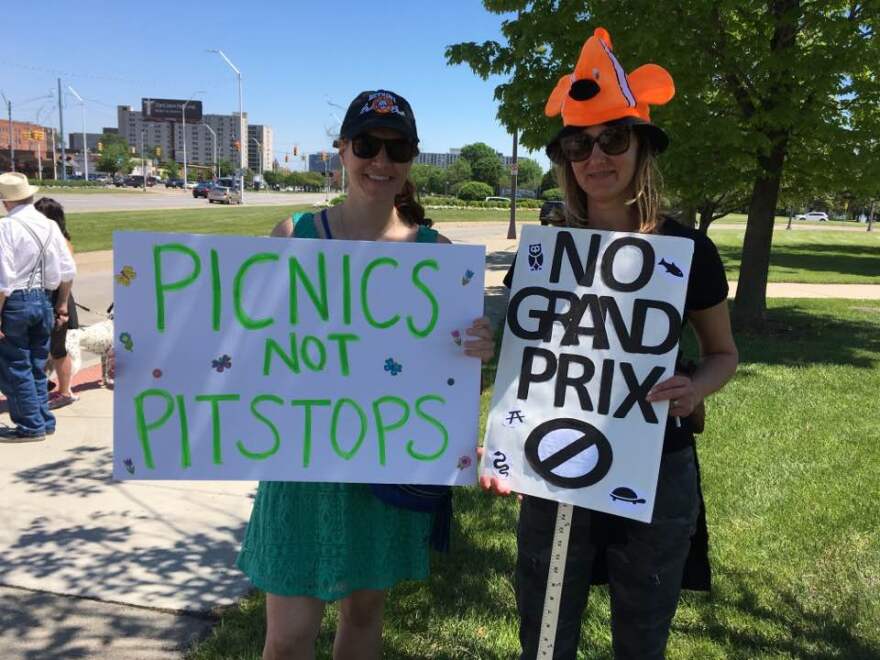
(467, 277)
(393, 367)
(221, 363)
(126, 276)
(671, 268)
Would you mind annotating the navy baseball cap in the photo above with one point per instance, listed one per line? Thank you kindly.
(379, 109)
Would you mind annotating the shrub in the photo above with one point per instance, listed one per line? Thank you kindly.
(71, 183)
(337, 200)
(552, 194)
(474, 190)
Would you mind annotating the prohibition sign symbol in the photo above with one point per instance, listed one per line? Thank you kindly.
(590, 436)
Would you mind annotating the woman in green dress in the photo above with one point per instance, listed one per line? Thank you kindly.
(311, 543)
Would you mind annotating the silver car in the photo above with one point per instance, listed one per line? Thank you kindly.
(224, 195)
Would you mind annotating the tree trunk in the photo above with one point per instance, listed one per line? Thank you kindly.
(750, 307)
(707, 215)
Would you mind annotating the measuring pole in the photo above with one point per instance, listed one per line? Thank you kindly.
(555, 578)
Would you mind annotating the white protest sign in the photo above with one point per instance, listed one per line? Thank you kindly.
(295, 360)
(592, 324)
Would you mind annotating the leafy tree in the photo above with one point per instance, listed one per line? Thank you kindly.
(474, 190)
(474, 152)
(458, 172)
(529, 175)
(115, 155)
(552, 194)
(488, 169)
(549, 179)
(437, 180)
(226, 168)
(757, 81)
(172, 169)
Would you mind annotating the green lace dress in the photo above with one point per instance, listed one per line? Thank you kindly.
(327, 540)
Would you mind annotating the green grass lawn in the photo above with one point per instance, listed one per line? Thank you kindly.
(791, 476)
(821, 257)
(94, 231)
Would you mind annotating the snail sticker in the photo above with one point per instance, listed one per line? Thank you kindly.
(126, 276)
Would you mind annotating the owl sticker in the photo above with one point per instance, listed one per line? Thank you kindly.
(536, 256)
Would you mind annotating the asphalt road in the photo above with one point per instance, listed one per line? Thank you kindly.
(161, 198)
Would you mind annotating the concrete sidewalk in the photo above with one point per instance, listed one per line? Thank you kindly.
(91, 567)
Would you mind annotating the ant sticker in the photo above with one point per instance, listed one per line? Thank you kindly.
(514, 417)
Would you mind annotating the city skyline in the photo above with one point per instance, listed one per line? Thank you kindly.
(300, 69)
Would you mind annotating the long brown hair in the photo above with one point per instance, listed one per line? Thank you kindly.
(409, 207)
(647, 183)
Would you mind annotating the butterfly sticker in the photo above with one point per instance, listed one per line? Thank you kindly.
(393, 367)
(129, 465)
(126, 275)
(221, 363)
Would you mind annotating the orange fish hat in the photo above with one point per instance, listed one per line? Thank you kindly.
(599, 91)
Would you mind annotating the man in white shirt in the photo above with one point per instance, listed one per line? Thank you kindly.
(34, 259)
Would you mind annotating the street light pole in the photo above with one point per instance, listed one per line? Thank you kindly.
(213, 150)
(183, 118)
(242, 143)
(85, 148)
(11, 141)
(143, 162)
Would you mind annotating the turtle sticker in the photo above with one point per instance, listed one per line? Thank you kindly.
(625, 494)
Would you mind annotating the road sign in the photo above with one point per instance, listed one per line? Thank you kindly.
(37, 135)
(514, 168)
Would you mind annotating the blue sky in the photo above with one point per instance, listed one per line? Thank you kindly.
(293, 55)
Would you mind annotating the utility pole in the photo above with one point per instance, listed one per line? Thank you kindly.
(214, 164)
(242, 143)
(260, 147)
(61, 132)
(514, 171)
(143, 162)
(54, 156)
(11, 141)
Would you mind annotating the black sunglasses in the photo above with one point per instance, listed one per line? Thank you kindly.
(576, 147)
(399, 150)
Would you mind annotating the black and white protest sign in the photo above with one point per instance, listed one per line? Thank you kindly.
(592, 325)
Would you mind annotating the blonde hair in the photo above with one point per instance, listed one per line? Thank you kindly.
(647, 183)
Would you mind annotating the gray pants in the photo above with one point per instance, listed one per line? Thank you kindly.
(645, 562)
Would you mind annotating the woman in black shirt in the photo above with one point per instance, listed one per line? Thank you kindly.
(605, 160)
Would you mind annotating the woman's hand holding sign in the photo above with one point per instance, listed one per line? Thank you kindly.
(679, 391)
(483, 346)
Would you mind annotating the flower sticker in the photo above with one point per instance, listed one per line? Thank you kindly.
(393, 367)
(221, 363)
(126, 340)
(464, 462)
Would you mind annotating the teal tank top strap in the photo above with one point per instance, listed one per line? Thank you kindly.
(304, 225)
(426, 235)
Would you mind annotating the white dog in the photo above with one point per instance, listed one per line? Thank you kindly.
(96, 338)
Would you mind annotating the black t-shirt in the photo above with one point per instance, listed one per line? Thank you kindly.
(707, 286)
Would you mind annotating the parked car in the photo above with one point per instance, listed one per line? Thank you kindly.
(821, 216)
(497, 199)
(203, 188)
(224, 195)
(550, 210)
(174, 183)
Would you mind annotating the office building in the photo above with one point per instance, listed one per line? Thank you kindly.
(260, 158)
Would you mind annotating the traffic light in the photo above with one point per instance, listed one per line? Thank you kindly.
(324, 156)
(132, 150)
(236, 144)
(158, 152)
(295, 150)
(285, 158)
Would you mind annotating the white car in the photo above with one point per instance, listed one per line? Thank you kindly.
(821, 216)
(224, 195)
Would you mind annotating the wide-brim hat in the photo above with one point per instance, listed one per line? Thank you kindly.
(14, 187)
(379, 109)
(599, 91)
